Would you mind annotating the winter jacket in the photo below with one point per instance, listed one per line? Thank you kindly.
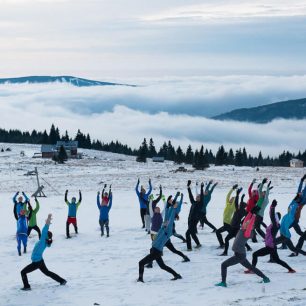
(239, 214)
(40, 246)
(166, 230)
(156, 218)
(22, 225)
(244, 234)
(33, 220)
(253, 198)
(143, 198)
(303, 201)
(229, 209)
(73, 206)
(195, 209)
(104, 209)
(263, 202)
(207, 197)
(288, 219)
(272, 229)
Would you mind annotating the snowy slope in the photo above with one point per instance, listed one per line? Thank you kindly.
(104, 270)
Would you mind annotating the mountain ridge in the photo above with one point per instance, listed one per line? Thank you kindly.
(290, 109)
(75, 81)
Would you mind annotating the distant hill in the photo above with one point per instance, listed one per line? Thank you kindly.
(79, 82)
(291, 109)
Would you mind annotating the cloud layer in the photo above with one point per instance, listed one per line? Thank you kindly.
(159, 110)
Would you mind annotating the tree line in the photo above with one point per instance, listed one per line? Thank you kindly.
(200, 158)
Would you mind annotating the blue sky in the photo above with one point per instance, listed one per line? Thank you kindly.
(190, 58)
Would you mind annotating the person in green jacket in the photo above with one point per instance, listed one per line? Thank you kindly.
(33, 220)
(227, 216)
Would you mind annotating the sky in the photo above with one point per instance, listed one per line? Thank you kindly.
(189, 58)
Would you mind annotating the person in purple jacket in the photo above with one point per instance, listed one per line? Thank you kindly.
(270, 245)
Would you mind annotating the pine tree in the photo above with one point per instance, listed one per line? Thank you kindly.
(221, 156)
(143, 152)
(152, 150)
(179, 156)
(54, 135)
(200, 161)
(189, 155)
(66, 137)
(62, 155)
(230, 157)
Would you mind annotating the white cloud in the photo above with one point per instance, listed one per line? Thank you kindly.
(231, 11)
(126, 114)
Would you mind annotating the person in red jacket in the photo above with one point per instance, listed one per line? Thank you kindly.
(253, 197)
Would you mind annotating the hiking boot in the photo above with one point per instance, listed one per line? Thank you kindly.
(176, 277)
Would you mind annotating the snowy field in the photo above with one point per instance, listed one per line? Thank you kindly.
(103, 271)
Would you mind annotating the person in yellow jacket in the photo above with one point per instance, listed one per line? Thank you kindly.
(227, 215)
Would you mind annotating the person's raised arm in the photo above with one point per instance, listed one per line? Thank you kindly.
(237, 198)
(98, 200)
(213, 188)
(137, 188)
(228, 196)
(26, 198)
(66, 197)
(150, 188)
(44, 232)
(80, 197)
(15, 211)
(110, 201)
(37, 206)
(261, 187)
(202, 193)
(208, 186)
(191, 198)
(251, 187)
(15, 197)
(272, 212)
(30, 210)
(179, 206)
(154, 203)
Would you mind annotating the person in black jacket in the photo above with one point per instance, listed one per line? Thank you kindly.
(239, 214)
(194, 217)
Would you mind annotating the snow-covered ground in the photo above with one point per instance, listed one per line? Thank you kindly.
(104, 270)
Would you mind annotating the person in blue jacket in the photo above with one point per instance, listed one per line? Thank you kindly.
(37, 258)
(143, 198)
(162, 238)
(104, 208)
(22, 228)
(206, 199)
(286, 223)
(21, 202)
(72, 212)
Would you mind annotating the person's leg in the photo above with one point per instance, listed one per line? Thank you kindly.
(188, 239)
(75, 225)
(24, 240)
(54, 276)
(107, 227)
(148, 223)
(290, 245)
(258, 222)
(202, 216)
(219, 231)
(194, 233)
(37, 229)
(227, 263)
(297, 227)
(29, 230)
(301, 241)
(163, 266)
(229, 236)
(142, 215)
(261, 252)
(28, 269)
(277, 260)
(101, 227)
(171, 248)
(205, 221)
(175, 234)
(247, 264)
(67, 229)
(18, 237)
(147, 259)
